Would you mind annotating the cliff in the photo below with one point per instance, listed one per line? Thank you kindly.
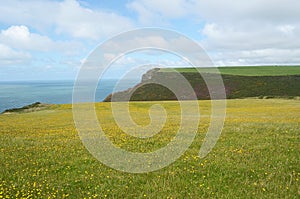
(236, 86)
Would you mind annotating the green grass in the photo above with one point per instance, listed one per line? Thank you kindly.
(257, 155)
(245, 70)
(236, 87)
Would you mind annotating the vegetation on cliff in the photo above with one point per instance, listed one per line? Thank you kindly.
(239, 82)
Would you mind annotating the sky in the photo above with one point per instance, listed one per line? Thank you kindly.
(49, 40)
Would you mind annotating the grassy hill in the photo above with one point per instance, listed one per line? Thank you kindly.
(244, 70)
(239, 82)
(257, 155)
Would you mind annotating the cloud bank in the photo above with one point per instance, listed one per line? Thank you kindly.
(50, 34)
(235, 32)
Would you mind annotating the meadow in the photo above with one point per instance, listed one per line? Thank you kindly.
(257, 155)
(244, 70)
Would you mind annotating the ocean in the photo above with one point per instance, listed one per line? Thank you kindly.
(16, 94)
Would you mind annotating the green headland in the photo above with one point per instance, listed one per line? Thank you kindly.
(239, 82)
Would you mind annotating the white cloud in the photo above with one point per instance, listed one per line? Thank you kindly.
(221, 11)
(18, 46)
(257, 57)
(20, 37)
(265, 29)
(233, 32)
(287, 29)
(86, 23)
(67, 17)
(221, 37)
(159, 40)
(157, 11)
(36, 14)
(233, 12)
(9, 56)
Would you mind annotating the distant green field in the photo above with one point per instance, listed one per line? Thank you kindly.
(257, 155)
(245, 70)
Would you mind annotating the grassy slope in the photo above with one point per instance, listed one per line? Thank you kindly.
(239, 82)
(257, 156)
(245, 70)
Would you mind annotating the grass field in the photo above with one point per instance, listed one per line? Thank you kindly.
(257, 155)
(246, 70)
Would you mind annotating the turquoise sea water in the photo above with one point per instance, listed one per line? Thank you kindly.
(21, 93)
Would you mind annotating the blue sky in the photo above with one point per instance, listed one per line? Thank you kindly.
(44, 40)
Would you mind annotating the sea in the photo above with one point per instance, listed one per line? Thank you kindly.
(15, 94)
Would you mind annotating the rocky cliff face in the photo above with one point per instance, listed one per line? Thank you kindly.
(149, 74)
